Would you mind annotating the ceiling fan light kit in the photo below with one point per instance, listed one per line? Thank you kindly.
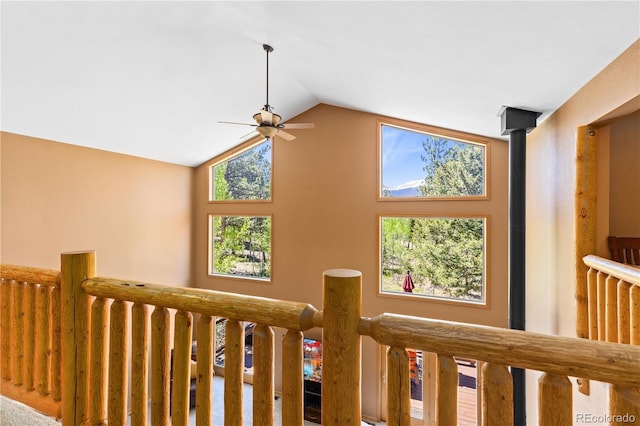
(267, 122)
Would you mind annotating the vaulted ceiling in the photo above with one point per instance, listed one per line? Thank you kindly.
(152, 79)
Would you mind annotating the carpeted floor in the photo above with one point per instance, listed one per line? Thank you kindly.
(14, 413)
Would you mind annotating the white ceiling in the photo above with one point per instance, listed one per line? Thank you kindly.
(152, 79)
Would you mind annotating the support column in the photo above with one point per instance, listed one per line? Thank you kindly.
(517, 123)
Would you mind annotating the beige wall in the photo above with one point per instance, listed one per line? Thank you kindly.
(625, 177)
(551, 180)
(135, 213)
(325, 215)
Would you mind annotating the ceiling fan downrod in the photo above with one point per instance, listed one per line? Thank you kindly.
(267, 49)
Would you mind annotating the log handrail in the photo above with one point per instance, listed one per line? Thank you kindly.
(278, 313)
(602, 361)
(621, 271)
(48, 277)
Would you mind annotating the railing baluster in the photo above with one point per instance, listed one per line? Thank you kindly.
(160, 354)
(611, 309)
(43, 339)
(635, 315)
(206, 338)
(292, 380)
(181, 375)
(263, 371)
(447, 391)
(624, 320)
(624, 404)
(17, 333)
(56, 344)
(602, 306)
(29, 336)
(118, 362)
(5, 330)
(497, 395)
(398, 387)
(592, 285)
(139, 366)
(233, 372)
(555, 403)
(98, 368)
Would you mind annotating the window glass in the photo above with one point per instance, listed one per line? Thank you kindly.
(441, 257)
(246, 176)
(419, 164)
(240, 246)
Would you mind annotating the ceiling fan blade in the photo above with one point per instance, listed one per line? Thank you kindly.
(286, 136)
(298, 126)
(233, 122)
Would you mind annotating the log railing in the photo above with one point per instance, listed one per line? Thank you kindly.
(30, 334)
(111, 327)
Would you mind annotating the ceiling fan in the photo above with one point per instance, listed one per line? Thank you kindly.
(267, 122)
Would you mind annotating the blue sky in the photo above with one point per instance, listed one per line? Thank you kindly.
(401, 150)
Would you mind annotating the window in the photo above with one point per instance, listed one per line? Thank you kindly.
(419, 164)
(240, 246)
(245, 176)
(441, 257)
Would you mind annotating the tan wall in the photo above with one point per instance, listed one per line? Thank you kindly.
(135, 213)
(625, 177)
(325, 215)
(550, 210)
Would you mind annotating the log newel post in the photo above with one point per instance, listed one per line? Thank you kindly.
(75, 268)
(341, 363)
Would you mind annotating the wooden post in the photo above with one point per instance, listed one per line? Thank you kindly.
(98, 368)
(5, 330)
(75, 268)
(118, 362)
(206, 337)
(497, 395)
(139, 363)
(181, 369)
(263, 367)
(292, 380)
(447, 391)
(160, 352)
(233, 372)
(398, 387)
(624, 405)
(555, 403)
(341, 363)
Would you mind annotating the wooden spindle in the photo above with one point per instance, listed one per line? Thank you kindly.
(624, 405)
(56, 344)
(398, 387)
(99, 365)
(5, 329)
(263, 367)
(29, 337)
(447, 391)
(602, 305)
(75, 321)
(139, 363)
(341, 360)
(233, 372)
(204, 354)
(555, 402)
(611, 308)
(17, 333)
(118, 363)
(292, 379)
(592, 283)
(160, 368)
(634, 312)
(624, 306)
(181, 368)
(497, 395)
(43, 339)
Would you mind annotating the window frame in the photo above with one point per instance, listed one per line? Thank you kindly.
(483, 302)
(230, 155)
(453, 135)
(210, 249)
